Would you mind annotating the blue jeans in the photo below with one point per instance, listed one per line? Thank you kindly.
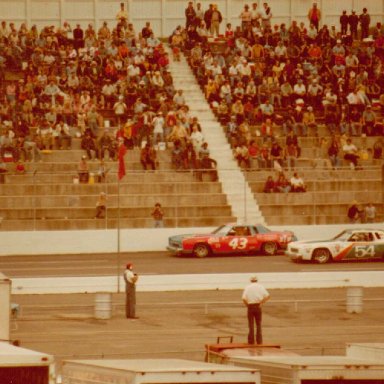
(158, 224)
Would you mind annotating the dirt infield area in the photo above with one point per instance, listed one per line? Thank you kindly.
(179, 324)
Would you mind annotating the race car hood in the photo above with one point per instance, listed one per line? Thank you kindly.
(180, 238)
(303, 242)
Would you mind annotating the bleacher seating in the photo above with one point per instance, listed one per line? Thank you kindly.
(48, 195)
(329, 194)
(48, 199)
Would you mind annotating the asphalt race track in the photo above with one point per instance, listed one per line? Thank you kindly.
(153, 263)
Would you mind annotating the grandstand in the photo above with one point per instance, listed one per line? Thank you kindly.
(47, 193)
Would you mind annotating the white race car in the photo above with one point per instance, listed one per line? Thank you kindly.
(351, 244)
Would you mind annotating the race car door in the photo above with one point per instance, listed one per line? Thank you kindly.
(363, 246)
(238, 240)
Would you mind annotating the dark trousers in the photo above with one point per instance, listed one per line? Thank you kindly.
(100, 211)
(352, 158)
(254, 316)
(130, 300)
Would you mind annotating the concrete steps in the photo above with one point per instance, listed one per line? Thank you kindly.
(238, 192)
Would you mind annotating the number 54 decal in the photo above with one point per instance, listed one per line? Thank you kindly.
(364, 251)
(238, 243)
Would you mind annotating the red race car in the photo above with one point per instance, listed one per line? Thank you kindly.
(232, 239)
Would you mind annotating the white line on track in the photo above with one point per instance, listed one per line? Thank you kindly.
(340, 270)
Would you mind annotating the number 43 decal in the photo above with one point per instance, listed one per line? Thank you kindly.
(238, 243)
(364, 251)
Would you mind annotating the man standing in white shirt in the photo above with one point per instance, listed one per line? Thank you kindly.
(254, 296)
(265, 15)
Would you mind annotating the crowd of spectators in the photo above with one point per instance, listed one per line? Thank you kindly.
(289, 78)
(282, 184)
(73, 82)
(257, 73)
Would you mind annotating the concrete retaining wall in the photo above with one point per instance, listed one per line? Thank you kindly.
(148, 283)
(131, 240)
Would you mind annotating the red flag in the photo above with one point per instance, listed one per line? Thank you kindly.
(121, 154)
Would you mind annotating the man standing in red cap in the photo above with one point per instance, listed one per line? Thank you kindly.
(130, 279)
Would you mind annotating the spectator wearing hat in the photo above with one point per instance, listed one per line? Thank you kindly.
(254, 296)
(130, 279)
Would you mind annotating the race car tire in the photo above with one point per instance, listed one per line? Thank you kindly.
(202, 250)
(269, 248)
(321, 255)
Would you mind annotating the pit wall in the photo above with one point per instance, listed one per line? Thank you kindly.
(130, 240)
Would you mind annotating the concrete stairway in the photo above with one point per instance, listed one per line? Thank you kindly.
(235, 186)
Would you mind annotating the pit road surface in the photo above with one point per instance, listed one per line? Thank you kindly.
(179, 324)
